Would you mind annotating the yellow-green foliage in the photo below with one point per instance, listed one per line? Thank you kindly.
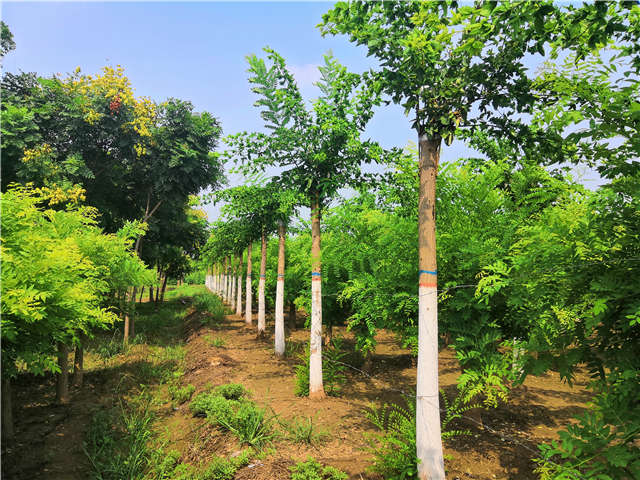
(57, 267)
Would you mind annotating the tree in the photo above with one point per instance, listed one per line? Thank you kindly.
(319, 149)
(452, 66)
(57, 270)
(6, 40)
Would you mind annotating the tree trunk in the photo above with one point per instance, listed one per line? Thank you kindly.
(262, 323)
(164, 288)
(150, 293)
(224, 281)
(125, 333)
(62, 383)
(141, 294)
(248, 312)
(239, 288)
(316, 388)
(428, 437)
(7, 409)
(78, 362)
(132, 320)
(292, 316)
(279, 330)
(232, 287)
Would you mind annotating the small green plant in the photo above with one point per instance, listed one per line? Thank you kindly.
(303, 430)
(167, 466)
(333, 368)
(313, 470)
(179, 395)
(212, 305)
(108, 348)
(218, 342)
(394, 448)
(231, 391)
(249, 423)
(118, 442)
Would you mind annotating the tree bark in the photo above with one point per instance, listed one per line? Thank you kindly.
(78, 362)
(7, 409)
(164, 288)
(428, 436)
(127, 319)
(239, 288)
(262, 323)
(141, 294)
(224, 281)
(150, 293)
(248, 312)
(279, 328)
(132, 320)
(316, 387)
(62, 383)
(292, 316)
(232, 287)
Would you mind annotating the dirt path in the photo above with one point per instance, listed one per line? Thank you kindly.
(49, 443)
(537, 410)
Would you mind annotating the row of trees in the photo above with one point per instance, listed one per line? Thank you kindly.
(462, 71)
(98, 185)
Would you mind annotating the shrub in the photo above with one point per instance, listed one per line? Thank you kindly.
(181, 395)
(394, 449)
(231, 391)
(249, 423)
(333, 376)
(313, 470)
(211, 304)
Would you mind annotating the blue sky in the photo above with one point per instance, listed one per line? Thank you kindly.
(193, 51)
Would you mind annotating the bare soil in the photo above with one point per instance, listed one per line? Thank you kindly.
(49, 438)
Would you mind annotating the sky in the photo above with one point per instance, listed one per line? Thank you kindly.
(193, 51)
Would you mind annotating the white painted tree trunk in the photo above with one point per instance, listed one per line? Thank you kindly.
(262, 322)
(279, 328)
(316, 387)
(232, 287)
(428, 436)
(239, 289)
(248, 312)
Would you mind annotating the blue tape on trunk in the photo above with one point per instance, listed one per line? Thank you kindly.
(315, 274)
(429, 272)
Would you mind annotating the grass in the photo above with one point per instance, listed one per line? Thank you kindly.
(313, 470)
(218, 342)
(249, 423)
(303, 430)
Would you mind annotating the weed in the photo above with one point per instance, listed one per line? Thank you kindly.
(313, 470)
(249, 423)
(108, 348)
(179, 395)
(169, 467)
(301, 430)
(394, 449)
(333, 376)
(231, 391)
(218, 342)
(118, 444)
(212, 305)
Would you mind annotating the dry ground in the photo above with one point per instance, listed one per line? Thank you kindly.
(49, 438)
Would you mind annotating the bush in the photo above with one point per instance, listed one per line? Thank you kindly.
(333, 376)
(313, 470)
(181, 395)
(231, 391)
(196, 277)
(249, 423)
(394, 449)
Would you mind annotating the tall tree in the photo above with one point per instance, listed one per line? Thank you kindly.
(319, 149)
(451, 66)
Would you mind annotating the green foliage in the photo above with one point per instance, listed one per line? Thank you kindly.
(57, 270)
(118, 443)
(333, 376)
(249, 423)
(231, 391)
(394, 447)
(313, 470)
(167, 466)
(211, 304)
(303, 430)
(179, 395)
(217, 342)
